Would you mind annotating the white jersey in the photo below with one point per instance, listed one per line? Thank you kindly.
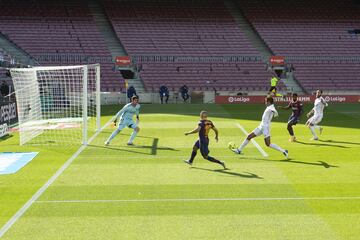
(128, 112)
(319, 105)
(268, 115)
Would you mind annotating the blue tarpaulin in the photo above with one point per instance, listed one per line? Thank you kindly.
(11, 162)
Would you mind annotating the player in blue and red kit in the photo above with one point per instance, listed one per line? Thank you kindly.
(297, 111)
(202, 143)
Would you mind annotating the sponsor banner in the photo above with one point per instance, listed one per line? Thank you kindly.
(305, 99)
(123, 61)
(8, 117)
(4, 130)
(277, 60)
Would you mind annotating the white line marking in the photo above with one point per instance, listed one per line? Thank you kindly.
(198, 199)
(103, 157)
(252, 140)
(28, 204)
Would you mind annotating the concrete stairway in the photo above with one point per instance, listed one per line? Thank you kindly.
(106, 29)
(248, 29)
(15, 51)
(258, 43)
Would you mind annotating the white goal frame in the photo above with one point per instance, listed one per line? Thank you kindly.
(82, 84)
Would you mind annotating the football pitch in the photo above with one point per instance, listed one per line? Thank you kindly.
(147, 192)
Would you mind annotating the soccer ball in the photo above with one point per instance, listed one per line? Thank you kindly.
(231, 145)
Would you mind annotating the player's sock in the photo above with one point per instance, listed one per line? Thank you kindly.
(312, 129)
(211, 159)
(132, 137)
(276, 147)
(317, 127)
(243, 144)
(193, 155)
(116, 132)
(278, 95)
(290, 130)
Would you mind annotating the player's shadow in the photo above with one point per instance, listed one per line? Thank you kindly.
(227, 172)
(154, 146)
(321, 144)
(318, 163)
(332, 141)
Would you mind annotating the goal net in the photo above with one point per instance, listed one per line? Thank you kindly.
(57, 104)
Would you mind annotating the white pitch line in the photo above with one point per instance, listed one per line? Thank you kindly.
(36, 196)
(198, 199)
(252, 140)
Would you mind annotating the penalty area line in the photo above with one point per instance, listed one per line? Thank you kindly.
(252, 140)
(199, 199)
(36, 196)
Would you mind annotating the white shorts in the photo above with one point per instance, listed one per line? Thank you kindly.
(315, 119)
(262, 130)
(126, 123)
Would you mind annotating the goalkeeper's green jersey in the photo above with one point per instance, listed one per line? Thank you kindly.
(274, 81)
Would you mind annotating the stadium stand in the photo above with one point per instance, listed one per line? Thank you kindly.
(240, 76)
(55, 33)
(308, 29)
(203, 29)
(65, 33)
(177, 28)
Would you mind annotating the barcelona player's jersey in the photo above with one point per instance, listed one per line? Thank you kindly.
(296, 108)
(205, 126)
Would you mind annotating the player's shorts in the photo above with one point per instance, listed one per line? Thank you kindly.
(127, 123)
(272, 89)
(203, 145)
(262, 130)
(315, 119)
(293, 120)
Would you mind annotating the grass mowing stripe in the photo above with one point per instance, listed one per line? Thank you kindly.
(252, 140)
(199, 199)
(36, 196)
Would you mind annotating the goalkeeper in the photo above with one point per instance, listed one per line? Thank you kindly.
(126, 120)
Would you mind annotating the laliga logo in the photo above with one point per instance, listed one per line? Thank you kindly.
(334, 99)
(238, 99)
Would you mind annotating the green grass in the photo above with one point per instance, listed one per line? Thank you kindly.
(277, 193)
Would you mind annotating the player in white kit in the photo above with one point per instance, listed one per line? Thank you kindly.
(126, 120)
(264, 129)
(318, 113)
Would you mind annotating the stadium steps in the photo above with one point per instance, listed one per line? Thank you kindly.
(15, 51)
(106, 30)
(137, 83)
(255, 39)
(258, 43)
(292, 84)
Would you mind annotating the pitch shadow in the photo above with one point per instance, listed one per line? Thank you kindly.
(226, 171)
(318, 163)
(333, 141)
(321, 144)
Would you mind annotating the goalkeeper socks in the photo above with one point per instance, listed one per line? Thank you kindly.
(193, 155)
(116, 132)
(278, 95)
(276, 147)
(132, 137)
(243, 144)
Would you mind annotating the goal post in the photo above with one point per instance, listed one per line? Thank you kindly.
(59, 104)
